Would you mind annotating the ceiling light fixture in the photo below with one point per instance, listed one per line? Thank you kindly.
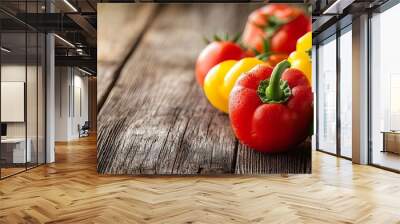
(337, 7)
(65, 41)
(5, 50)
(79, 51)
(70, 5)
(84, 71)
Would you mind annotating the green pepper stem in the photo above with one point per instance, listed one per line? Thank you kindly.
(274, 91)
(264, 56)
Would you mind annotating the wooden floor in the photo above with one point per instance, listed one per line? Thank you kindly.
(10, 171)
(386, 159)
(154, 118)
(71, 191)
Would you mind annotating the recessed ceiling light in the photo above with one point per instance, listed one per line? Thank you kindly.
(84, 71)
(338, 6)
(5, 50)
(64, 40)
(70, 5)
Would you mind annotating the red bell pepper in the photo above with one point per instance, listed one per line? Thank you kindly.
(271, 110)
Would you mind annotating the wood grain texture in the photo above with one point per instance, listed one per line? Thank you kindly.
(71, 191)
(157, 121)
(252, 162)
(118, 34)
(119, 26)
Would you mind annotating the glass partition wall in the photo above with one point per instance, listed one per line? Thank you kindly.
(326, 93)
(13, 90)
(385, 89)
(22, 98)
(345, 92)
(333, 65)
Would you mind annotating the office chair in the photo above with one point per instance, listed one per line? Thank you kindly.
(84, 130)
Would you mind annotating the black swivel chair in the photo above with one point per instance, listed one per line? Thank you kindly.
(84, 130)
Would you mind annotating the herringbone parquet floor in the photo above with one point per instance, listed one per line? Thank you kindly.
(70, 191)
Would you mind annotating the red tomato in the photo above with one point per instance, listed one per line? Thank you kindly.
(276, 28)
(215, 53)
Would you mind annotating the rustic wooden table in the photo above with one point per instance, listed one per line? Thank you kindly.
(153, 117)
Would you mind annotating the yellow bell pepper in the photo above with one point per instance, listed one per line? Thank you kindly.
(300, 59)
(304, 43)
(221, 78)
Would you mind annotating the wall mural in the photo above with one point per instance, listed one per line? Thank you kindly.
(187, 89)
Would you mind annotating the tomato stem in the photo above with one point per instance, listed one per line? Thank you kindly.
(275, 91)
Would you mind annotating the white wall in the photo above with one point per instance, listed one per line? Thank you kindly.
(80, 108)
(62, 81)
(14, 73)
(69, 82)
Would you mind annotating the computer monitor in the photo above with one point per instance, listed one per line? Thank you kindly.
(3, 129)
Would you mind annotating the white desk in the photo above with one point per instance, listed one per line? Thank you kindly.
(18, 149)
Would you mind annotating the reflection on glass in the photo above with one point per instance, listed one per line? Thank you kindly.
(32, 86)
(346, 94)
(385, 84)
(22, 90)
(327, 96)
(15, 150)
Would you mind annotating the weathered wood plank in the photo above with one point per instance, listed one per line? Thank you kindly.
(156, 119)
(252, 162)
(120, 27)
